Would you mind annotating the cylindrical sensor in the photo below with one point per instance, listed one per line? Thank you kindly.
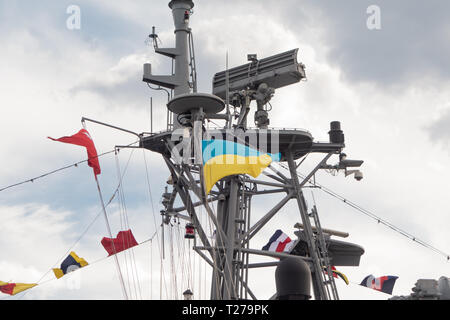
(147, 69)
(336, 134)
(293, 280)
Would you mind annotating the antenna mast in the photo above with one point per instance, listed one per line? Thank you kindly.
(235, 224)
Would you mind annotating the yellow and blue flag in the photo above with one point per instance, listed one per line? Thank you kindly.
(222, 158)
(71, 263)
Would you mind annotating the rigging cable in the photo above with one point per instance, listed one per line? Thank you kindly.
(162, 279)
(373, 216)
(184, 264)
(151, 271)
(368, 213)
(119, 271)
(87, 228)
(90, 264)
(178, 264)
(121, 215)
(172, 262)
(59, 169)
(125, 226)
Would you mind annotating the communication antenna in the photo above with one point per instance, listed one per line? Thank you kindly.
(227, 94)
(154, 38)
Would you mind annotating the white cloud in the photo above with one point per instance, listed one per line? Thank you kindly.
(405, 178)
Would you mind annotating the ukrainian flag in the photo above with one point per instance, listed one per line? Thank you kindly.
(71, 263)
(222, 158)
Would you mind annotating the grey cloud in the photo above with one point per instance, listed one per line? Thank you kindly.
(439, 130)
(125, 93)
(413, 41)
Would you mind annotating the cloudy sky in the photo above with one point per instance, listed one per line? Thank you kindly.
(389, 87)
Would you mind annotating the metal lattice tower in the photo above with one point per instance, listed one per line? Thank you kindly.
(234, 223)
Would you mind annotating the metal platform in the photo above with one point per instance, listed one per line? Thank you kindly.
(344, 253)
(193, 101)
(298, 141)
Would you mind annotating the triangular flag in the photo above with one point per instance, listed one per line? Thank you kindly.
(15, 288)
(82, 138)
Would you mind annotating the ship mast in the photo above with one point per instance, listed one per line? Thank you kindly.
(234, 220)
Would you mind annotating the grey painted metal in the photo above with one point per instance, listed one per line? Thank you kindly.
(179, 80)
(243, 258)
(185, 103)
(197, 136)
(323, 255)
(83, 119)
(283, 181)
(200, 253)
(293, 280)
(275, 254)
(281, 175)
(444, 287)
(263, 264)
(185, 197)
(265, 219)
(230, 252)
(249, 292)
(190, 185)
(216, 278)
(268, 183)
(428, 289)
(229, 276)
(195, 204)
(317, 271)
(276, 71)
(151, 114)
(192, 63)
(344, 253)
(328, 231)
(299, 141)
(271, 191)
(311, 174)
(247, 245)
(181, 39)
(227, 94)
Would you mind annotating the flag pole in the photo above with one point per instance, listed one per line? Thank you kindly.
(110, 235)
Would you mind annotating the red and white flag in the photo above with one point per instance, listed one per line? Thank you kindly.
(279, 242)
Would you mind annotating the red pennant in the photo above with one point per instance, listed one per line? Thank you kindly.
(123, 241)
(82, 138)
